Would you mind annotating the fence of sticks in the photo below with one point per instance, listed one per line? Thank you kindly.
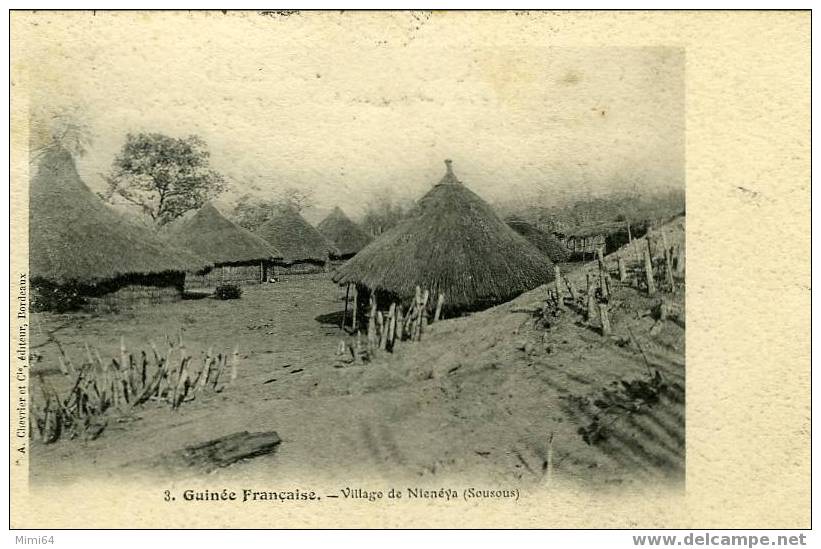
(387, 328)
(105, 388)
(657, 269)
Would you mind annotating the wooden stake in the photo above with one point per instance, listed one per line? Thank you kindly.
(572, 289)
(392, 324)
(668, 268)
(622, 270)
(680, 260)
(557, 273)
(358, 351)
(423, 315)
(648, 272)
(439, 303)
(372, 325)
(550, 459)
(399, 322)
(383, 333)
(604, 276)
(354, 321)
(591, 300)
(234, 363)
(345, 312)
(605, 320)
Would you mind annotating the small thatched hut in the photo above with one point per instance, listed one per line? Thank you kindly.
(303, 248)
(238, 255)
(344, 234)
(583, 241)
(451, 243)
(546, 242)
(82, 253)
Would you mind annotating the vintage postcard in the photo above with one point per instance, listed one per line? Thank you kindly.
(410, 269)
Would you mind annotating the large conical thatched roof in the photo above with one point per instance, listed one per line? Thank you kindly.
(74, 237)
(451, 242)
(210, 235)
(546, 242)
(294, 237)
(343, 233)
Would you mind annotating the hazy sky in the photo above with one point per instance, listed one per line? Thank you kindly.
(354, 105)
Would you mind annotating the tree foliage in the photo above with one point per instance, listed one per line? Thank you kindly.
(383, 213)
(164, 176)
(250, 211)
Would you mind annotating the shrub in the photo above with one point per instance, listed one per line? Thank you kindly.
(227, 291)
(57, 298)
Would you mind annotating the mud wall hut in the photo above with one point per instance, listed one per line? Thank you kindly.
(344, 234)
(303, 249)
(83, 254)
(451, 243)
(583, 241)
(238, 255)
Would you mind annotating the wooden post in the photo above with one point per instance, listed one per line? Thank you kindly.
(354, 324)
(603, 275)
(410, 321)
(572, 289)
(622, 270)
(358, 352)
(550, 459)
(629, 233)
(400, 324)
(345, 312)
(423, 314)
(559, 293)
(372, 324)
(668, 268)
(591, 300)
(383, 332)
(418, 309)
(648, 271)
(439, 303)
(391, 324)
(680, 260)
(605, 320)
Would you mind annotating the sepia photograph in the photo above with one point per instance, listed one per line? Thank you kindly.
(312, 258)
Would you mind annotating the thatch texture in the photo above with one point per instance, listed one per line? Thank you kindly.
(74, 238)
(451, 242)
(546, 242)
(295, 238)
(343, 233)
(211, 236)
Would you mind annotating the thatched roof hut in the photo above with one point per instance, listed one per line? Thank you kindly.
(546, 242)
(212, 236)
(343, 233)
(295, 238)
(453, 243)
(75, 238)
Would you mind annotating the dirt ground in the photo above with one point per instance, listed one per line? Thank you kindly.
(479, 398)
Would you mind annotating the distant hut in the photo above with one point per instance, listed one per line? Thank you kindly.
(546, 242)
(346, 235)
(583, 241)
(82, 253)
(451, 243)
(238, 255)
(303, 248)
